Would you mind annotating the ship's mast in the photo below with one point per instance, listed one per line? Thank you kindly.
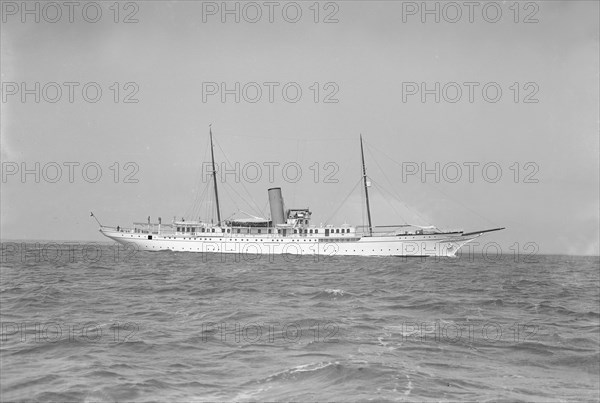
(214, 173)
(364, 169)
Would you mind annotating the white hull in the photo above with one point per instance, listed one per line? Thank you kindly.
(443, 244)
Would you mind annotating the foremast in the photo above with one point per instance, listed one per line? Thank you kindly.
(364, 170)
(214, 174)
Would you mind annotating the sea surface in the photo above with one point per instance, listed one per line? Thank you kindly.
(93, 322)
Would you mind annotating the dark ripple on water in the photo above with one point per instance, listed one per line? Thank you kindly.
(180, 327)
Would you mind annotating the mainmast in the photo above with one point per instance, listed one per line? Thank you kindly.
(214, 173)
(362, 154)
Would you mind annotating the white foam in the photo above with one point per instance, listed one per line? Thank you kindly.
(409, 387)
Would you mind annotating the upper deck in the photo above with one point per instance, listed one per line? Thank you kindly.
(296, 227)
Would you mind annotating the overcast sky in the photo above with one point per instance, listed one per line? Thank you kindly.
(542, 132)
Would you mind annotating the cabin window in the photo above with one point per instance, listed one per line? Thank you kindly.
(248, 231)
(203, 229)
(212, 230)
(310, 232)
(178, 229)
(306, 231)
(259, 231)
(239, 230)
(337, 231)
(269, 231)
(193, 229)
(316, 231)
(279, 231)
(295, 231)
(228, 230)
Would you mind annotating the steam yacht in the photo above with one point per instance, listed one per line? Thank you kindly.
(290, 231)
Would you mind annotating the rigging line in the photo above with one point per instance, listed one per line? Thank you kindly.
(189, 212)
(232, 199)
(419, 216)
(343, 201)
(265, 208)
(240, 196)
(203, 201)
(391, 191)
(200, 170)
(256, 207)
(229, 186)
(441, 192)
(384, 191)
(289, 138)
(231, 216)
(194, 208)
(199, 208)
(204, 209)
